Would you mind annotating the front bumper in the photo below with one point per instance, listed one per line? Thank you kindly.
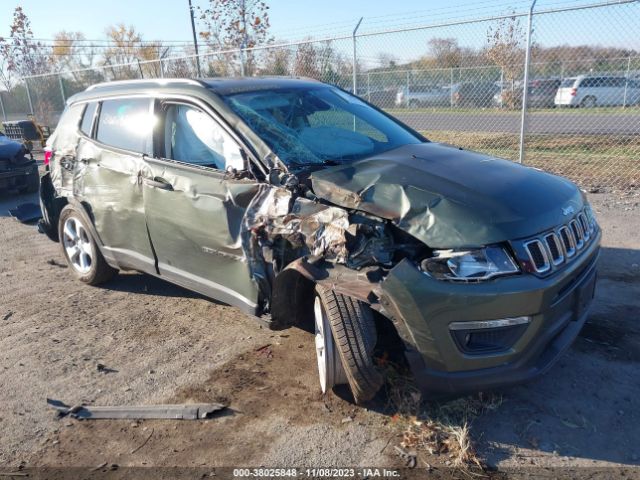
(422, 309)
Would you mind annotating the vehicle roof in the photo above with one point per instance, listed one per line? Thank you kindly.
(220, 86)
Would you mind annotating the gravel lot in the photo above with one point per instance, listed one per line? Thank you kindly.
(168, 345)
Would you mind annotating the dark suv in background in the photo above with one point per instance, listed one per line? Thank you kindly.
(302, 204)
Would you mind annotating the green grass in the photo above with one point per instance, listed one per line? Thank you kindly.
(634, 110)
(589, 160)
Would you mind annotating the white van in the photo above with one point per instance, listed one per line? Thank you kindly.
(583, 91)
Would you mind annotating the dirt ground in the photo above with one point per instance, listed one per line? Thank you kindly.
(162, 344)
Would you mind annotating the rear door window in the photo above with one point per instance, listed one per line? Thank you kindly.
(567, 83)
(87, 118)
(126, 123)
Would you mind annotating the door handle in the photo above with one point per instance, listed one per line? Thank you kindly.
(158, 182)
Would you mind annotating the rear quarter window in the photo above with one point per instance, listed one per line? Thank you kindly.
(127, 124)
(67, 130)
(87, 118)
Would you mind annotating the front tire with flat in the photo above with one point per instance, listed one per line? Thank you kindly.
(80, 249)
(348, 345)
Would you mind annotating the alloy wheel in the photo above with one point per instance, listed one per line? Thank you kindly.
(77, 245)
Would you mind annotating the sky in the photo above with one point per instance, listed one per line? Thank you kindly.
(295, 19)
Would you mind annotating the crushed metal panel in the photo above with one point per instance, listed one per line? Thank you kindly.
(197, 411)
(276, 213)
(449, 198)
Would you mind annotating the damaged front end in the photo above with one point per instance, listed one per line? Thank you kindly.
(294, 240)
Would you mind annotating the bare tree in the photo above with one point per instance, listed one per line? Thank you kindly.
(129, 48)
(306, 62)
(276, 61)
(235, 24)
(505, 48)
(445, 52)
(20, 54)
(71, 53)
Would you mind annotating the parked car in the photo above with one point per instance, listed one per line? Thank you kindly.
(474, 94)
(541, 94)
(604, 91)
(423, 96)
(301, 204)
(18, 169)
(380, 98)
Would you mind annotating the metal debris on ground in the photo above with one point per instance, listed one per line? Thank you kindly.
(409, 457)
(196, 411)
(104, 369)
(265, 351)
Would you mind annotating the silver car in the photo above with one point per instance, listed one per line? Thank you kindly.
(423, 96)
(605, 91)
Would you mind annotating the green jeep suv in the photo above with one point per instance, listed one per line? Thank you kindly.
(302, 204)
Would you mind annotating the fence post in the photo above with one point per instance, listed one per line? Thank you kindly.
(355, 58)
(242, 72)
(26, 84)
(525, 91)
(626, 82)
(195, 39)
(368, 87)
(451, 87)
(502, 87)
(4, 114)
(64, 97)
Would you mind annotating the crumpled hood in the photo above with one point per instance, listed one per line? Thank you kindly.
(10, 149)
(448, 197)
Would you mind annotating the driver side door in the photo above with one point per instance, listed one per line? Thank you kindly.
(194, 207)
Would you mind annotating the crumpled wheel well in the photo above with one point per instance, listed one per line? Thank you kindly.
(292, 301)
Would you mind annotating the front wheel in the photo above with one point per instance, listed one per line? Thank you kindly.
(345, 339)
(80, 249)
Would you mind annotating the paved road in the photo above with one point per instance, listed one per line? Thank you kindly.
(567, 123)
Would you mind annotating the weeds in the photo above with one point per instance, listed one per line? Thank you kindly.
(437, 428)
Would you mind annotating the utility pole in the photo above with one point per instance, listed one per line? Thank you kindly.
(195, 38)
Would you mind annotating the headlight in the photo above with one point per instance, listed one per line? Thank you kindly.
(469, 265)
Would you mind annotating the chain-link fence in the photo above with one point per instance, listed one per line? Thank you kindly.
(460, 82)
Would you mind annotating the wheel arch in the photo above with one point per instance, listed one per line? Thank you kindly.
(292, 300)
(83, 209)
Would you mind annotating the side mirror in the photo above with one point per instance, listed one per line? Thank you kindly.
(236, 160)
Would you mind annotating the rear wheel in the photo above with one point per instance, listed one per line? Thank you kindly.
(80, 249)
(344, 349)
(588, 102)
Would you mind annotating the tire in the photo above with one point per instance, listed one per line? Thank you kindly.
(588, 102)
(354, 335)
(80, 249)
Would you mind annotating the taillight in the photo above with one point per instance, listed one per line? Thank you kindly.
(47, 156)
(574, 92)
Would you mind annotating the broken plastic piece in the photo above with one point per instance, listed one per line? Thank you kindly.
(196, 411)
